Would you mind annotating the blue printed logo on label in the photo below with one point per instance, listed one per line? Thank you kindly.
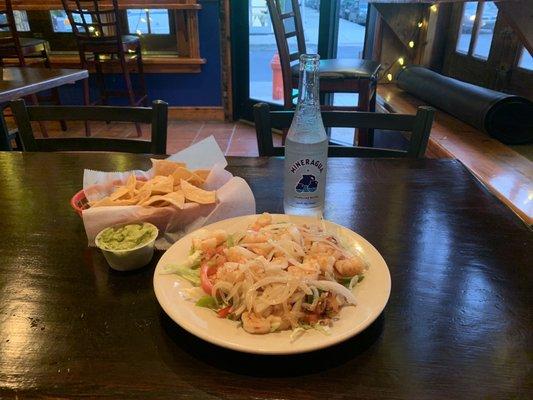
(307, 183)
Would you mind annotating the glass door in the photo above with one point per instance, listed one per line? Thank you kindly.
(332, 29)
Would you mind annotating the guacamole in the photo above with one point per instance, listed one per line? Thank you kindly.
(126, 237)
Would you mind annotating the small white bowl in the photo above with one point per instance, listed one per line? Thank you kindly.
(128, 259)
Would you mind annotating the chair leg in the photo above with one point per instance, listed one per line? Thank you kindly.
(42, 126)
(100, 79)
(363, 137)
(142, 81)
(87, 101)
(55, 91)
(5, 141)
(129, 88)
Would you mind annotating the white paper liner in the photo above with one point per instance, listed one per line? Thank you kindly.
(234, 198)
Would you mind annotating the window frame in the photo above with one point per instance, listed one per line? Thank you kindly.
(475, 32)
(500, 70)
(183, 57)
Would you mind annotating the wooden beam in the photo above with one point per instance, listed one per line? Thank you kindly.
(519, 15)
(403, 19)
(122, 4)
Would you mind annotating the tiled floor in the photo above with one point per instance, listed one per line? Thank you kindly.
(234, 138)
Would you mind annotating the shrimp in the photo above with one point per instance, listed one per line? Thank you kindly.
(259, 325)
(325, 262)
(254, 237)
(262, 221)
(229, 273)
(220, 236)
(234, 255)
(350, 266)
(306, 270)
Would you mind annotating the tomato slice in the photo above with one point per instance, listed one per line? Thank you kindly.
(207, 285)
(223, 312)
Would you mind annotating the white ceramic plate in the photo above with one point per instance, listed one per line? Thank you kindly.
(372, 295)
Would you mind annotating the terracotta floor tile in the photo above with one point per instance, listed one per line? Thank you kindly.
(234, 138)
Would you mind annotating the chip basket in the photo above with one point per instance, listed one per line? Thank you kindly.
(79, 202)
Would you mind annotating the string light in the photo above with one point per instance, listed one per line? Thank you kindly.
(433, 8)
(411, 44)
(401, 60)
(389, 77)
(420, 24)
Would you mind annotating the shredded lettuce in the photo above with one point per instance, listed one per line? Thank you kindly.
(192, 275)
(208, 302)
(230, 242)
(192, 263)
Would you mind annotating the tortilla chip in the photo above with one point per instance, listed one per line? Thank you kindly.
(131, 183)
(196, 194)
(165, 167)
(202, 173)
(157, 200)
(163, 185)
(182, 173)
(177, 199)
(119, 192)
(107, 201)
(142, 196)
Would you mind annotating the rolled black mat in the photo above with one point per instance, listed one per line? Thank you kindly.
(503, 116)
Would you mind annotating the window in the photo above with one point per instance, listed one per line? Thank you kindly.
(525, 61)
(467, 24)
(486, 30)
(60, 22)
(477, 29)
(148, 21)
(21, 21)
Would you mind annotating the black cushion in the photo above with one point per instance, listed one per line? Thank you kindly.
(130, 39)
(344, 68)
(30, 42)
(26, 42)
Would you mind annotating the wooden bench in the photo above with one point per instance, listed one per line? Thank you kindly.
(505, 172)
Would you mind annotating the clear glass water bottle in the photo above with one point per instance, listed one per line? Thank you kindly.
(306, 147)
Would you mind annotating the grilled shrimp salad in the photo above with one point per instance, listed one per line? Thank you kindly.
(273, 276)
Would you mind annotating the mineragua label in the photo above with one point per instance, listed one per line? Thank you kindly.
(305, 178)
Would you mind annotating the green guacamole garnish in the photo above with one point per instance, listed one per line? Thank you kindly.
(127, 236)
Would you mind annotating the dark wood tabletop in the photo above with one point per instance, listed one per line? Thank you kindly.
(19, 82)
(458, 323)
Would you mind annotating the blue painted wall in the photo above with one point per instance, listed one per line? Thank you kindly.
(202, 89)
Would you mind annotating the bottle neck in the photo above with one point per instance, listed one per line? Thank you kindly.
(308, 86)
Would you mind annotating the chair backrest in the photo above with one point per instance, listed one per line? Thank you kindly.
(155, 115)
(286, 26)
(9, 38)
(94, 21)
(419, 125)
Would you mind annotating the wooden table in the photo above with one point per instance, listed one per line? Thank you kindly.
(458, 323)
(20, 82)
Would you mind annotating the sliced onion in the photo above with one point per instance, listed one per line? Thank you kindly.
(335, 287)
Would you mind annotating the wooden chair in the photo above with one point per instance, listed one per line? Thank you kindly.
(22, 51)
(97, 28)
(419, 125)
(336, 75)
(156, 116)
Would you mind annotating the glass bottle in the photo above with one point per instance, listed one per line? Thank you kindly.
(306, 147)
